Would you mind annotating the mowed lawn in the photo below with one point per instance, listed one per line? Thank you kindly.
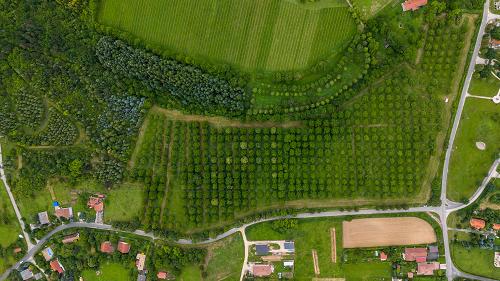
(469, 165)
(314, 234)
(226, 260)
(486, 87)
(250, 34)
(475, 261)
(190, 273)
(108, 272)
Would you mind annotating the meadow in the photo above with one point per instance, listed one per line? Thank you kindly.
(475, 261)
(109, 271)
(283, 35)
(469, 165)
(486, 87)
(226, 260)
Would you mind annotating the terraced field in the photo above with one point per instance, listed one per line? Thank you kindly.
(251, 34)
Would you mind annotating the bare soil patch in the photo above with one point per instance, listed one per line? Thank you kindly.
(333, 238)
(386, 232)
(316, 263)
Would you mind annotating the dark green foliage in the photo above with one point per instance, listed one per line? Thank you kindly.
(285, 225)
(173, 259)
(190, 85)
(29, 108)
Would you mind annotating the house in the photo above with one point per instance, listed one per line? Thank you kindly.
(433, 253)
(107, 247)
(140, 260)
(420, 259)
(383, 256)
(71, 238)
(288, 264)
(163, 275)
(411, 254)
(410, 275)
(427, 268)
(55, 265)
(38, 276)
(494, 43)
(496, 261)
(262, 250)
(496, 226)
(123, 247)
(262, 270)
(48, 254)
(66, 213)
(96, 203)
(17, 250)
(26, 274)
(43, 218)
(141, 276)
(477, 223)
(290, 246)
(413, 5)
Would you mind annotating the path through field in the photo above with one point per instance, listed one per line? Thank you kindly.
(333, 238)
(316, 263)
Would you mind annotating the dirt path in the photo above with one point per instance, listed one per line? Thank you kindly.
(316, 263)
(223, 122)
(138, 144)
(169, 173)
(420, 51)
(333, 238)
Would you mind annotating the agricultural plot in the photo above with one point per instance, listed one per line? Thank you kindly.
(252, 35)
(387, 232)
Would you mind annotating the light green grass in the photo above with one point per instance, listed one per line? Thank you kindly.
(369, 8)
(190, 273)
(475, 261)
(226, 261)
(110, 271)
(469, 165)
(368, 271)
(487, 87)
(124, 202)
(9, 228)
(251, 34)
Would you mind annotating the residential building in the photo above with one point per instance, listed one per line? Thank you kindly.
(96, 203)
(66, 213)
(410, 275)
(290, 246)
(411, 254)
(383, 256)
(71, 238)
(427, 268)
(17, 250)
(141, 276)
(107, 247)
(413, 5)
(477, 223)
(262, 270)
(261, 250)
(48, 254)
(140, 260)
(163, 275)
(433, 253)
(496, 261)
(26, 274)
(123, 247)
(496, 226)
(43, 218)
(38, 276)
(288, 264)
(55, 265)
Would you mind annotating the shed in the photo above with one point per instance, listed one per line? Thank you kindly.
(288, 263)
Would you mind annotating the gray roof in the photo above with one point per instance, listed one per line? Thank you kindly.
(26, 274)
(43, 218)
(433, 249)
(38, 276)
(262, 250)
(432, 256)
(141, 277)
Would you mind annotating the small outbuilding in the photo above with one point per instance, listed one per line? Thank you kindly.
(43, 218)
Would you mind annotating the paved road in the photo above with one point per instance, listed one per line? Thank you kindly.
(14, 204)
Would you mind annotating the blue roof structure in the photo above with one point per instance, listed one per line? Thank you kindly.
(261, 250)
(55, 204)
(290, 246)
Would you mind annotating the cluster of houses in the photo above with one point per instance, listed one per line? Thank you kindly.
(268, 254)
(426, 259)
(480, 224)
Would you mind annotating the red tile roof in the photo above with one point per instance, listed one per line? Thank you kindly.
(496, 226)
(383, 256)
(107, 247)
(261, 270)
(71, 238)
(17, 250)
(413, 4)
(123, 247)
(420, 259)
(477, 223)
(410, 275)
(427, 268)
(411, 254)
(55, 265)
(162, 275)
(494, 42)
(66, 213)
(96, 203)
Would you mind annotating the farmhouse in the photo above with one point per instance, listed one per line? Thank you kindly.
(415, 254)
(123, 247)
(66, 213)
(48, 254)
(413, 5)
(107, 247)
(477, 223)
(427, 268)
(55, 265)
(262, 270)
(26, 274)
(71, 238)
(261, 250)
(140, 260)
(43, 218)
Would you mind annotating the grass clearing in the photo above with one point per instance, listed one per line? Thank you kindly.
(486, 87)
(110, 271)
(475, 261)
(9, 228)
(226, 260)
(368, 271)
(469, 165)
(190, 273)
(251, 34)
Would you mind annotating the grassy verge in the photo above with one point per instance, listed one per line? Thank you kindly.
(486, 87)
(469, 165)
(475, 261)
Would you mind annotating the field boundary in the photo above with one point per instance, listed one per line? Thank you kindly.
(333, 238)
(315, 261)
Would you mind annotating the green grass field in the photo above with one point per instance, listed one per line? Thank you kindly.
(315, 234)
(487, 87)
(190, 273)
(110, 271)
(469, 165)
(251, 34)
(9, 229)
(226, 261)
(475, 261)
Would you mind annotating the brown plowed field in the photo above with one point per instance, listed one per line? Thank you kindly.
(386, 232)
